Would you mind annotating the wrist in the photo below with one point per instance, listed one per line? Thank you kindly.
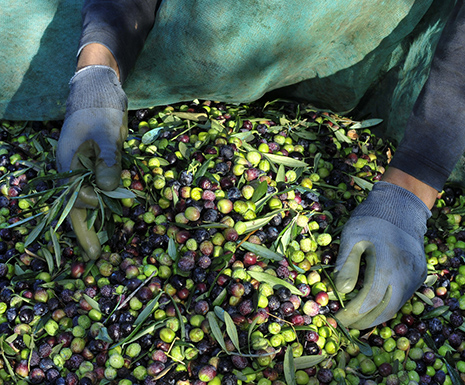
(396, 205)
(97, 54)
(424, 192)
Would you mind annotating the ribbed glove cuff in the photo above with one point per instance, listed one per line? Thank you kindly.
(396, 205)
(95, 86)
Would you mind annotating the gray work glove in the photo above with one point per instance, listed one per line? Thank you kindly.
(95, 126)
(388, 229)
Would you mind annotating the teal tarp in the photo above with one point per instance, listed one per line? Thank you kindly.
(336, 54)
(231, 51)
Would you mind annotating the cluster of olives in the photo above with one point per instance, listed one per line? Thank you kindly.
(216, 268)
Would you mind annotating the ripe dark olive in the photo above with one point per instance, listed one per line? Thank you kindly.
(44, 350)
(37, 376)
(226, 152)
(52, 375)
(114, 331)
(385, 369)
(435, 326)
(38, 265)
(325, 375)
(376, 340)
(26, 315)
(41, 309)
(401, 329)
(240, 362)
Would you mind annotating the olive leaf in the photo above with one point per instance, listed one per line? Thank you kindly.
(306, 362)
(316, 161)
(285, 160)
(118, 193)
(454, 375)
(102, 237)
(92, 302)
(281, 174)
(195, 116)
(55, 209)
(169, 122)
(56, 246)
(305, 134)
(251, 330)
(69, 205)
(341, 137)
(257, 223)
(147, 311)
(435, 312)
(286, 237)
(86, 162)
(135, 335)
(240, 376)
(274, 281)
(363, 183)
(220, 298)
(23, 221)
(260, 191)
(202, 170)
(366, 123)
(18, 270)
(231, 330)
(424, 298)
(183, 149)
(91, 218)
(103, 335)
(48, 259)
(216, 125)
(175, 196)
(216, 331)
(219, 312)
(172, 252)
(181, 321)
(262, 251)
(431, 280)
(289, 367)
(101, 206)
(243, 135)
(260, 204)
(335, 291)
(6, 349)
(364, 347)
(113, 204)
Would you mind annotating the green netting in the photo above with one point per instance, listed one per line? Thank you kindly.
(368, 57)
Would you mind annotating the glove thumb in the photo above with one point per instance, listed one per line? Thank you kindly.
(348, 265)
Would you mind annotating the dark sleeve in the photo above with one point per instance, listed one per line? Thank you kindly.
(120, 25)
(434, 138)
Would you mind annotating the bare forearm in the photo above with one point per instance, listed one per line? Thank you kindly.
(423, 191)
(97, 54)
(119, 25)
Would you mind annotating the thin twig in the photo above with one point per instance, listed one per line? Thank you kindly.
(135, 291)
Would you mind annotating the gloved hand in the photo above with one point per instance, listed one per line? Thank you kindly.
(388, 229)
(95, 126)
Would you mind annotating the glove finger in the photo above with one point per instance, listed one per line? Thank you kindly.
(402, 291)
(87, 238)
(87, 198)
(367, 298)
(375, 316)
(87, 149)
(108, 165)
(65, 151)
(75, 139)
(108, 177)
(346, 273)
